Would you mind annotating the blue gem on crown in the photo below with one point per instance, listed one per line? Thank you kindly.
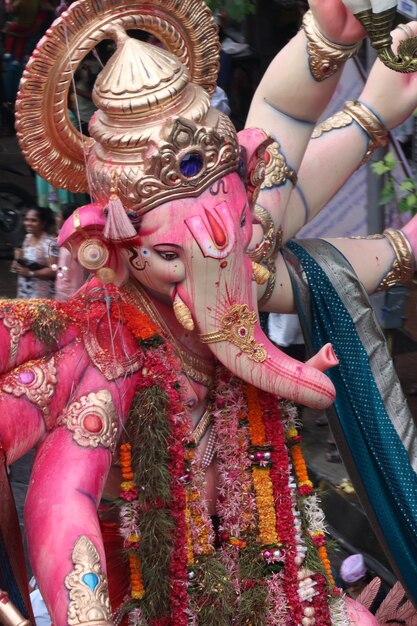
(191, 164)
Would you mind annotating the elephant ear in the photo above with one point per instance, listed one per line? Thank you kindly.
(83, 235)
(253, 143)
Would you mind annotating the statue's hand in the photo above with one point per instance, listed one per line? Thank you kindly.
(336, 22)
(382, 82)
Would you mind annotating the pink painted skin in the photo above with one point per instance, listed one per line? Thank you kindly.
(65, 488)
(358, 614)
(20, 436)
(67, 480)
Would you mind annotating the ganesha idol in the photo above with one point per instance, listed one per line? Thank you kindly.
(153, 395)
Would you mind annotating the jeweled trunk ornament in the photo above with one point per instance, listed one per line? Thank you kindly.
(377, 17)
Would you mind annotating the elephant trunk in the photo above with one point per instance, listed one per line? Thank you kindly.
(275, 372)
(233, 333)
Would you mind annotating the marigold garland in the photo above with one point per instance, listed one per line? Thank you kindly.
(265, 505)
(131, 534)
(245, 467)
(256, 425)
(305, 488)
(140, 325)
(261, 475)
(283, 503)
(190, 550)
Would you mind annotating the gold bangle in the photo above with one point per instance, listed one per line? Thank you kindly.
(325, 57)
(404, 265)
(270, 285)
(271, 267)
(354, 110)
(371, 124)
(267, 245)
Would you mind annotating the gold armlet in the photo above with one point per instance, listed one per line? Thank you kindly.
(89, 602)
(324, 56)
(277, 171)
(371, 124)
(270, 285)
(404, 264)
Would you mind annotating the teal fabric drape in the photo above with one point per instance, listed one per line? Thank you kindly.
(375, 431)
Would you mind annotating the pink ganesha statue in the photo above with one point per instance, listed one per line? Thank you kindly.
(169, 485)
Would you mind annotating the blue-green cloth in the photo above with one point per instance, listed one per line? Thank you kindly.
(372, 423)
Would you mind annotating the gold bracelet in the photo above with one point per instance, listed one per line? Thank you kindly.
(354, 110)
(270, 285)
(404, 265)
(324, 56)
(268, 243)
(371, 124)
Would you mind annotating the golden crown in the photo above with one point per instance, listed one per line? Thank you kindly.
(154, 127)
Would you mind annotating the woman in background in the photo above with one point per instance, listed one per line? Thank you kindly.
(35, 277)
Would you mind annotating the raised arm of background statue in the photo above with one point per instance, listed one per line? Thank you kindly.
(371, 258)
(289, 100)
(341, 150)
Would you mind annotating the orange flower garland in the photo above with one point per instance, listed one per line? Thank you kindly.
(256, 425)
(127, 487)
(190, 550)
(137, 592)
(305, 488)
(324, 557)
(262, 483)
(139, 324)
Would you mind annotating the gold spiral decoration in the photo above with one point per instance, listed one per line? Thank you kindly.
(49, 141)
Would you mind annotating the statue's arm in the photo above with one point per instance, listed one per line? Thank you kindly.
(376, 261)
(342, 143)
(290, 99)
(67, 482)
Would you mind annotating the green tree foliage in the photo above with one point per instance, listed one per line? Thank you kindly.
(236, 9)
(401, 192)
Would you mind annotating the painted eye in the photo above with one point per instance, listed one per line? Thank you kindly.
(144, 252)
(243, 220)
(167, 255)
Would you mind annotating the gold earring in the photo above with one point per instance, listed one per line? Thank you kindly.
(260, 273)
(93, 254)
(183, 313)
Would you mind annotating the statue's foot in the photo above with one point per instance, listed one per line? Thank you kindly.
(358, 615)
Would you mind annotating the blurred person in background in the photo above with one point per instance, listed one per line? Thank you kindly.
(356, 576)
(33, 261)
